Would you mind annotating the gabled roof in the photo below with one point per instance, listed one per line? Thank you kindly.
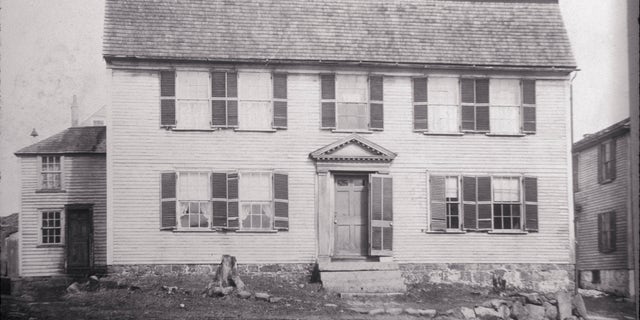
(353, 148)
(515, 33)
(617, 129)
(69, 141)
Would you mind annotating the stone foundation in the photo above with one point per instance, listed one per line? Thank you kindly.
(292, 271)
(611, 281)
(536, 277)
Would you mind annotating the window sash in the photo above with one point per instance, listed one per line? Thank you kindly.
(51, 227)
(352, 116)
(51, 172)
(256, 201)
(194, 200)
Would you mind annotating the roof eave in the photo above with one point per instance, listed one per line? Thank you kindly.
(62, 153)
(613, 131)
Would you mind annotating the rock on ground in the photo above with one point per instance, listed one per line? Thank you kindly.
(374, 312)
(535, 312)
(485, 313)
(550, 311)
(564, 304)
(427, 312)
(262, 296)
(579, 307)
(467, 313)
(244, 294)
(394, 311)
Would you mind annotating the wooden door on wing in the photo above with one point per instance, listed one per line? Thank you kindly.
(351, 216)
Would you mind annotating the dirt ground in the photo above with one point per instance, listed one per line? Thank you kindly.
(144, 298)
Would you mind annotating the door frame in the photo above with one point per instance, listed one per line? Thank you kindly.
(89, 211)
(365, 245)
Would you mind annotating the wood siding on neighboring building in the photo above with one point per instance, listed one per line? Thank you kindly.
(84, 182)
(593, 199)
(141, 150)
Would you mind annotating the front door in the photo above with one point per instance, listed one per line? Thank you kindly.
(351, 216)
(79, 241)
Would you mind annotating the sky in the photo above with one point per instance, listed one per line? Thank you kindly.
(51, 50)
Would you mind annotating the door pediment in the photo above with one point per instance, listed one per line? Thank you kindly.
(353, 148)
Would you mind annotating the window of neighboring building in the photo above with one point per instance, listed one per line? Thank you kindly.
(256, 201)
(505, 106)
(51, 173)
(352, 102)
(51, 227)
(595, 276)
(474, 95)
(194, 200)
(607, 161)
(607, 232)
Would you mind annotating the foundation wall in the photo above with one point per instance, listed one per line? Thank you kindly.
(611, 281)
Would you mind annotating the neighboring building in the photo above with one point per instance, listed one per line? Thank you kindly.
(63, 209)
(9, 246)
(434, 134)
(602, 190)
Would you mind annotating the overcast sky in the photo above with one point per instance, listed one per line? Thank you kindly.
(51, 50)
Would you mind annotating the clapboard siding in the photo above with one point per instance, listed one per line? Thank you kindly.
(595, 198)
(84, 182)
(141, 150)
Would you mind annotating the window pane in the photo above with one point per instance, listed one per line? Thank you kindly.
(505, 119)
(352, 116)
(506, 189)
(193, 114)
(254, 86)
(351, 88)
(443, 91)
(451, 187)
(443, 118)
(192, 85)
(505, 92)
(255, 115)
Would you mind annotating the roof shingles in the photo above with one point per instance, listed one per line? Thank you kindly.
(72, 140)
(518, 33)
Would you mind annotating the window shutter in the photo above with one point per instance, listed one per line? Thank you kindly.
(601, 232)
(484, 203)
(232, 85)
(329, 115)
(376, 88)
(233, 206)
(482, 90)
(381, 215)
(531, 203)
(376, 116)
(482, 118)
(469, 199)
(219, 199)
(467, 91)
(168, 200)
(167, 98)
(438, 203)
(468, 118)
(281, 201)
(219, 113)
(219, 84)
(232, 113)
(280, 103)
(529, 109)
(328, 108)
(420, 108)
(601, 151)
(376, 106)
(612, 172)
(612, 232)
(328, 86)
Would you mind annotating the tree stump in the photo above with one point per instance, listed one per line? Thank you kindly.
(226, 278)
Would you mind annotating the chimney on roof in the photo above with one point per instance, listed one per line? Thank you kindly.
(74, 111)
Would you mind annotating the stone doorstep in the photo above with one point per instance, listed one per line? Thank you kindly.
(351, 295)
(381, 281)
(333, 266)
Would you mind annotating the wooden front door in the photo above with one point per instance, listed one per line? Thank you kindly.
(351, 216)
(79, 241)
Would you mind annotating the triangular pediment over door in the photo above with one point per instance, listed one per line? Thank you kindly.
(353, 148)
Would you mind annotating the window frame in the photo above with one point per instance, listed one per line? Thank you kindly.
(268, 102)
(448, 203)
(41, 227)
(41, 172)
(607, 236)
(178, 99)
(179, 201)
(519, 106)
(242, 202)
(367, 103)
(607, 174)
(511, 204)
(431, 105)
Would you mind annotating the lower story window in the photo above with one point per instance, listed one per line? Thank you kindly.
(51, 229)
(256, 201)
(506, 203)
(452, 202)
(194, 200)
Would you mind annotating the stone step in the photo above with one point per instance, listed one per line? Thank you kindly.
(356, 266)
(378, 281)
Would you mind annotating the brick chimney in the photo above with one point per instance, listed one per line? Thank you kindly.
(74, 111)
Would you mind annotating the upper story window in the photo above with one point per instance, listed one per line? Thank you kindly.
(51, 173)
(352, 102)
(483, 202)
(202, 100)
(607, 161)
(496, 106)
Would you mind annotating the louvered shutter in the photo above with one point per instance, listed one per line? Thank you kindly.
(232, 99)
(529, 106)
(376, 111)
(482, 118)
(168, 200)
(612, 232)
(612, 168)
(381, 215)
(219, 90)
(469, 200)
(280, 100)
(601, 233)
(233, 205)
(281, 201)
(219, 199)
(600, 164)
(438, 203)
(328, 104)
(531, 203)
(482, 91)
(467, 91)
(167, 98)
(484, 203)
(376, 106)
(420, 107)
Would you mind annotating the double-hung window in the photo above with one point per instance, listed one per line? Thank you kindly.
(352, 102)
(505, 106)
(256, 201)
(192, 100)
(607, 232)
(51, 173)
(443, 105)
(607, 161)
(51, 227)
(483, 203)
(255, 110)
(194, 200)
